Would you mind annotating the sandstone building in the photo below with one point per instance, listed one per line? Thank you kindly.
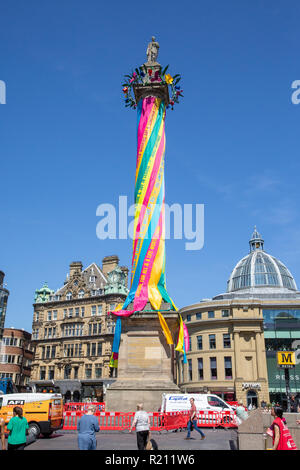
(72, 332)
(235, 336)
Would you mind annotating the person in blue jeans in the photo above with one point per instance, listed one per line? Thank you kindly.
(87, 427)
(193, 420)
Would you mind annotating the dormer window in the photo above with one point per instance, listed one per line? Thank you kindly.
(81, 294)
(92, 278)
(69, 296)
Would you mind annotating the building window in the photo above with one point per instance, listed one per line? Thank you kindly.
(51, 373)
(212, 341)
(70, 313)
(188, 317)
(7, 359)
(37, 315)
(53, 352)
(76, 372)
(225, 313)
(226, 340)
(199, 342)
(67, 373)
(49, 316)
(48, 348)
(213, 368)
(200, 368)
(190, 369)
(93, 349)
(99, 349)
(199, 316)
(112, 307)
(69, 350)
(88, 371)
(72, 329)
(42, 373)
(78, 348)
(228, 368)
(81, 294)
(100, 310)
(211, 314)
(93, 311)
(54, 314)
(69, 296)
(77, 312)
(98, 371)
(92, 278)
(65, 312)
(82, 311)
(35, 333)
(111, 327)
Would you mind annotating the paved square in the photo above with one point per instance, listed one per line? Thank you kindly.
(221, 439)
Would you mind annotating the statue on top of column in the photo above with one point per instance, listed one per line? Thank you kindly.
(152, 51)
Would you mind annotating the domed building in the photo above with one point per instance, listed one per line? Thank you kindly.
(235, 336)
(260, 275)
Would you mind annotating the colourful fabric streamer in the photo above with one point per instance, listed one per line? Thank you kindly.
(165, 329)
(148, 260)
(148, 280)
(116, 344)
(183, 340)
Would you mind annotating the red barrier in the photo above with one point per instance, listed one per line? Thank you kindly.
(117, 421)
(76, 406)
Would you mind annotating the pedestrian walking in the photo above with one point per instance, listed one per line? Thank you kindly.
(241, 413)
(2, 433)
(141, 422)
(87, 427)
(192, 422)
(294, 402)
(282, 439)
(18, 429)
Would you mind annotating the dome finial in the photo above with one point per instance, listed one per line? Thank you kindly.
(256, 242)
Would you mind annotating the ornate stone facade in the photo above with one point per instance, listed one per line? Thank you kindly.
(72, 331)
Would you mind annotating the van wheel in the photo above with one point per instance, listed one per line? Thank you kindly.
(34, 430)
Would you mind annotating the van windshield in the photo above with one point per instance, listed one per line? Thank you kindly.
(215, 401)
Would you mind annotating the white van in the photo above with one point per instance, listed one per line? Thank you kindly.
(203, 402)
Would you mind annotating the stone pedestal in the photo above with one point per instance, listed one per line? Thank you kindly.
(146, 364)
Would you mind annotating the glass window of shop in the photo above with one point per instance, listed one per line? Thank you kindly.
(282, 333)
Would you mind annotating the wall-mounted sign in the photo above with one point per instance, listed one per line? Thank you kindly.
(251, 385)
(286, 359)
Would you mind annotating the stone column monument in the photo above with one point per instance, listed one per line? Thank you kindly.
(147, 323)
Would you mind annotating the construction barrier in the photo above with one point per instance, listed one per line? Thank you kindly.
(77, 406)
(117, 421)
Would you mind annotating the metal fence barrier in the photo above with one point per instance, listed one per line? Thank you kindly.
(118, 421)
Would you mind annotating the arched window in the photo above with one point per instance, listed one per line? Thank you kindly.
(69, 296)
(251, 399)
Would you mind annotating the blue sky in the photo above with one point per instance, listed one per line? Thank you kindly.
(68, 144)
